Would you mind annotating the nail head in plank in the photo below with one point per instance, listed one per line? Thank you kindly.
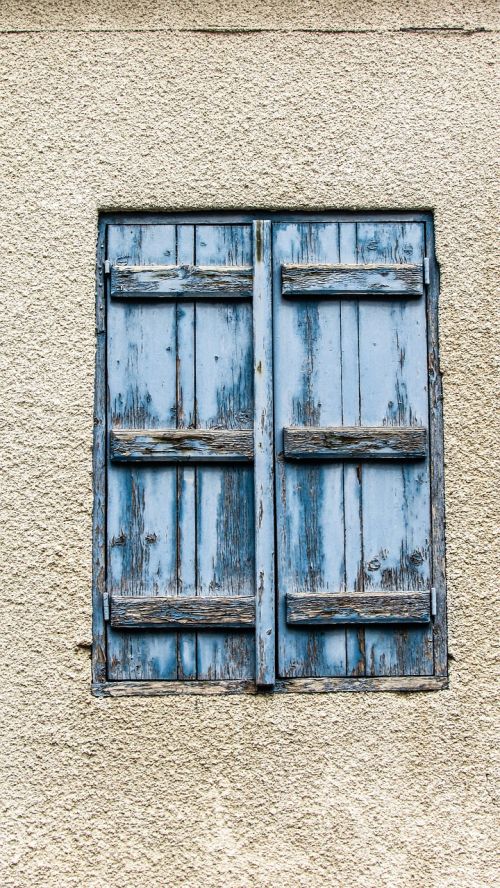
(182, 445)
(181, 281)
(177, 610)
(352, 280)
(366, 607)
(356, 442)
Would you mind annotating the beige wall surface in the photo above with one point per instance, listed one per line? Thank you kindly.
(326, 104)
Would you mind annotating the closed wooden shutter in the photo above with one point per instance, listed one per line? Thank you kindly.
(351, 408)
(271, 513)
(180, 490)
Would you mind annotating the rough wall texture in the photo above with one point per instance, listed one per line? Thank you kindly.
(342, 790)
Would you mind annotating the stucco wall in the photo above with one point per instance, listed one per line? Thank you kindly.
(342, 790)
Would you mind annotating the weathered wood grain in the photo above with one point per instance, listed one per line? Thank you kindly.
(355, 442)
(225, 534)
(175, 611)
(360, 607)
(352, 472)
(309, 498)
(264, 457)
(182, 445)
(208, 688)
(396, 495)
(388, 388)
(369, 279)
(436, 462)
(186, 474)
(391, 684)
(181, 281)
(141, 499)
(226, 217)
(382, 378)
(99, 474)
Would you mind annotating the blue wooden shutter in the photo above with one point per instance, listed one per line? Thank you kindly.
(214, 492)
(352, 467)
(181, 535)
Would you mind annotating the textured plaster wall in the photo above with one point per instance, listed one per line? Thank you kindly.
(340, 790)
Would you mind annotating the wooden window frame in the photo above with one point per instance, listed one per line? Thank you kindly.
(101, 687)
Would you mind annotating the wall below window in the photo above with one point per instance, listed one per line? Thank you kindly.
(333, 105)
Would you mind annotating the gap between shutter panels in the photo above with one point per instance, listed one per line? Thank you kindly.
(247, 449)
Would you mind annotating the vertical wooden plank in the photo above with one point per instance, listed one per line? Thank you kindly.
(309, 506)
(225, 494)
(141, 511)
(264, 455)
(186, 476)
(99, 673)
(352, 474)
(396, 503)
(437, 459)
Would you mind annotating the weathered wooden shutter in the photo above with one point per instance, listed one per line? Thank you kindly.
(183, 546)
(352, 417)
(263, 511)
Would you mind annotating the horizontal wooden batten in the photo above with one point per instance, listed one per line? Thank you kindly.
(356, 442)
(179, 611)
(181, 281)
(388, 683)
(366, 607)
(182, 445)
(352, 280)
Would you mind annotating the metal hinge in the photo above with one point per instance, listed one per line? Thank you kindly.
(107, 266)
(433, 602)
(105, 606)
(427, 271)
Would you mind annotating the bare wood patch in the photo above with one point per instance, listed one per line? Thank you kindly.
(181, 281)
(352, 280)
(166, 688)
(385, 442)
(365, 607)
(391, 684)
(182, 445)
(176, 611)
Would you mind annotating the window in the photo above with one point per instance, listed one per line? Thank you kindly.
(268, 455)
